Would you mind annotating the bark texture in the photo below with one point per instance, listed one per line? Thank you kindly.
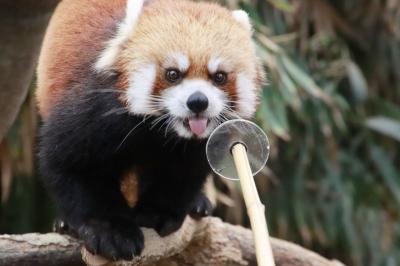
(39, 250)
(22, 27)
(208, 242)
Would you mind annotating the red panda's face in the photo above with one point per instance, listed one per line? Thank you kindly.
(191, 64)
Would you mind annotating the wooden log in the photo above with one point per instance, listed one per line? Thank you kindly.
(40, 250)
(205, 242)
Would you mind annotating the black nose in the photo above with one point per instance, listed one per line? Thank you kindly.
(197, 102)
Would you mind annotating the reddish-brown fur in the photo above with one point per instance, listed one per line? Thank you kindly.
(80, 29)
(75, 37)
(130, 188)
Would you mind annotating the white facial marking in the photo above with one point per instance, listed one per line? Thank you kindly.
(178, 60)
(243, 18)
(182, 131)
(125, 29)
(247, 96)
(175, 99)
(140, 88)
(213, 65)
(183, 62)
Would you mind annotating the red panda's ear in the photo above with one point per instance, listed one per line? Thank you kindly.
(109, 55)
(243, 18)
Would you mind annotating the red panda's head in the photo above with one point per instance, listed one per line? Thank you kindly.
(192, 63)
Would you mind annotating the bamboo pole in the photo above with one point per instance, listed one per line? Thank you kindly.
(255, 208)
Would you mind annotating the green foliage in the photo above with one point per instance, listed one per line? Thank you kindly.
(334, 124)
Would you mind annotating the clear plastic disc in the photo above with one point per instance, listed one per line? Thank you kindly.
(225, 136)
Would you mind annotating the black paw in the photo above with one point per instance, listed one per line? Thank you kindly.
(167, 225)
(63, 228)
(201, 208)
(112, 241)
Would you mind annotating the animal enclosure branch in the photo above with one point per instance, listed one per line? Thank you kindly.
(207, 242)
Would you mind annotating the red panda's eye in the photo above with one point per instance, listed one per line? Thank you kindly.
(173, 75)
(220, 78)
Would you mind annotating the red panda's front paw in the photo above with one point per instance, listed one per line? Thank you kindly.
(168, 224)
(111, 241)
(202, 207)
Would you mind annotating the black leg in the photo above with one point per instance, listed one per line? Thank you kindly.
(98, 214)
(63, 228)
(113, 240)
(163, 223)
(169, 224)
(201, 207)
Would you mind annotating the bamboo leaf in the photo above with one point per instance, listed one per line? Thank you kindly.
(273, 113)
(282, 5)
(304, 80)
(388, 172)
(386, 126)
(357, 82)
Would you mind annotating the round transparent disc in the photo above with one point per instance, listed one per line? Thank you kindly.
(225, 136)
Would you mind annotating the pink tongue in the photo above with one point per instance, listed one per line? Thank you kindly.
(198, 125)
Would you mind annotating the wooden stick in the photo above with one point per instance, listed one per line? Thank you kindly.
(255, 208)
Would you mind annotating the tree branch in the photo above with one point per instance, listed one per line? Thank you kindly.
(39, 250)
(208, 242)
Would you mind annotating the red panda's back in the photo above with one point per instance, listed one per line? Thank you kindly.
(74, 39)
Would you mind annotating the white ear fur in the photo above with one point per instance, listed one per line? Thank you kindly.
(243, 18)
(125, 29)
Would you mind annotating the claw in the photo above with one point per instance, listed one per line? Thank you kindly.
(112, 241)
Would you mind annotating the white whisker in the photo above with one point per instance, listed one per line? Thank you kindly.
(158, 120)
(171, 122)
(118, 111)
(130, 132)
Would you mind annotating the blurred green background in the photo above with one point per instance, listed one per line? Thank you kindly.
(332, 112)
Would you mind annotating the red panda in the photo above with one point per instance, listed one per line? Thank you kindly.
(134, 88)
